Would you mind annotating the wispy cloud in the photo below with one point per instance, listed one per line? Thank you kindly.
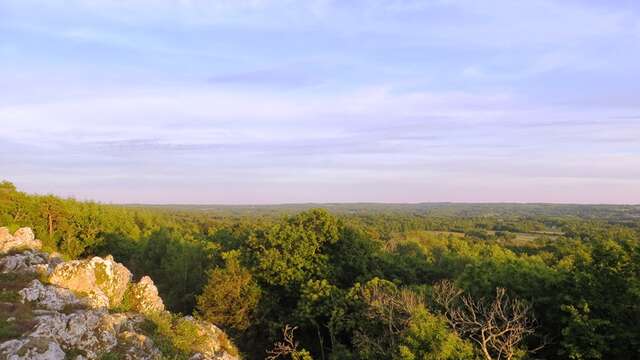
(283, 100)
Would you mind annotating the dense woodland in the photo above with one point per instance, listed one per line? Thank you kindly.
(439, 281)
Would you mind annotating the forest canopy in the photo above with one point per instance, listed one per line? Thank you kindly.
(371, 281)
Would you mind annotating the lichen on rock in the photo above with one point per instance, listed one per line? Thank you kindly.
(32, 349)
(213, 343)
(29, 261)
(103, 281)
(49, 297)
(143, 297)
(23, 238)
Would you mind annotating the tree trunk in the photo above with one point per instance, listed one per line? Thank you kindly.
(320, 340)
(50, 219)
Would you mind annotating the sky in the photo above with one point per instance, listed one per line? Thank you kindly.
(283, 101)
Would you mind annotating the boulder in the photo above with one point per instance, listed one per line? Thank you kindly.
(26, 262)
(93, 332)
(143, 297)
(22, 239)
(24, 234)
(213, 344)
(134, 346)
(102, 281)
(49, 297)
(31, 349)
(5, 235)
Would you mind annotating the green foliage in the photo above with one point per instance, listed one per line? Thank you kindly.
(231, 295)
(175, 337)
(429, 337)
(252, 271)
(110, 356)
(9, 296)
(290, 252)
(8, 330)
(72, 354)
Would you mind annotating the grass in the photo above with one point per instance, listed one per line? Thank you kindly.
(15, 318)
(9, 296)
(110, 356)
(71, 308)
(71, 354)
(160, 329)
(175, 337)
(14, 282)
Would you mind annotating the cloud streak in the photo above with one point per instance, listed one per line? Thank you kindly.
(280, 101)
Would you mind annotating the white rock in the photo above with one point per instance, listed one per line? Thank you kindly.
(25, 262)
(48, 297)
(210, 346)
(22, 239)
(31, 349)
(24, 234)
(144, 297)
(103, 281)
(91, 331)
(134, 346)
(5, 235)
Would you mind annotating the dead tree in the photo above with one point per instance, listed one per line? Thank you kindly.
(498, 327)
(390, 309)
(286, 348)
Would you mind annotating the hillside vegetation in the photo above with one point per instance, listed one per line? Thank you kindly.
(449, 281)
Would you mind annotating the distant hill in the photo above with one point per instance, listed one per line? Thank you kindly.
(503, 210)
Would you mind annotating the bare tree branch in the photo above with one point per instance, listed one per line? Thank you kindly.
(498, 327)
(284, 348)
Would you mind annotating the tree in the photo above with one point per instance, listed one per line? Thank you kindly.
(230, 297)
(498, 327)
(13, 203)
(428, 337)
(288, 347)
(52, 208)
(291, 252)
(386, 315)
(601, 308)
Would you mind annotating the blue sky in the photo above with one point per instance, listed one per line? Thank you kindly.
(272, 101)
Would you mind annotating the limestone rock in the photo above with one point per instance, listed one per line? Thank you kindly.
(25, 262)
(214, 344)
(31, 349)
(24, 234)
(103, 281)
(22, 239)
(49, 297)
(90, 331)
(134, 346)
(5, 235)
(144, 298)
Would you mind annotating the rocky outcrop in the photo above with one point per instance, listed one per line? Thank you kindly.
(49, 297)
(91, 332)
(213, 341)
(136, 346)
(21, 239)
(70, 304)
(28, 261)
(143, 297)
(103, 281)
(32, 349)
